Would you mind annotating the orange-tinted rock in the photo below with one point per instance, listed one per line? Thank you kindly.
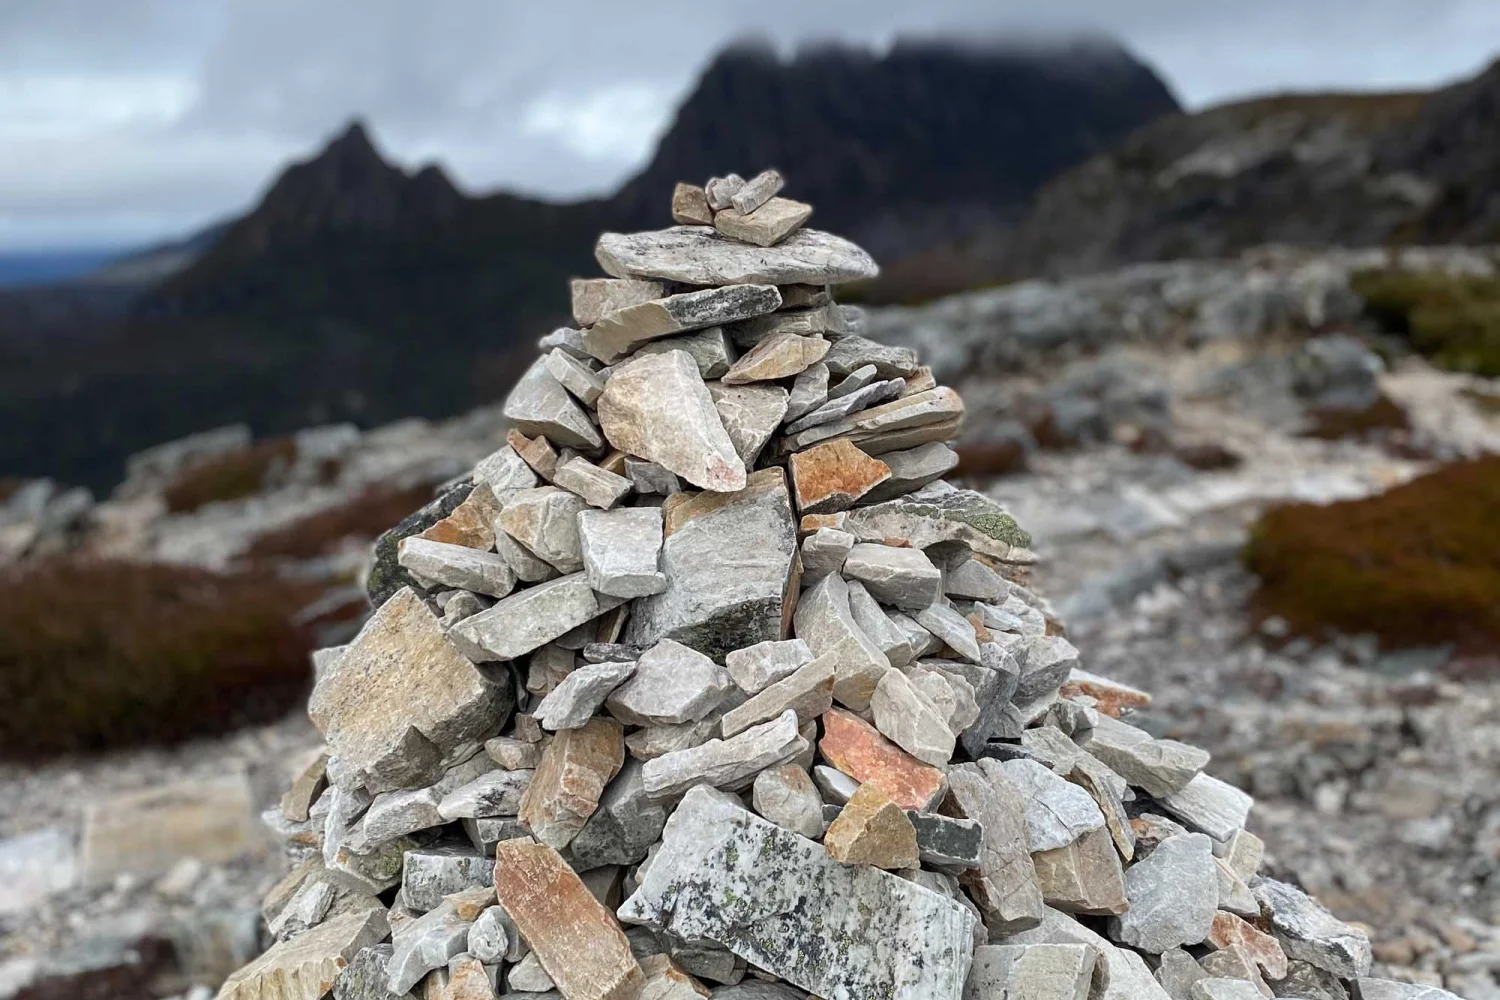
(536, 452)
(472, 523)
(574, 770)
(830, 477)
(1112, 696)
(1229, 930)
(577, 940)
(855, 747)
(872, 830)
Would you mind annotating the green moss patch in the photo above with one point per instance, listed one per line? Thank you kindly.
(96, 655)
(1453, 320)
(1416, 565)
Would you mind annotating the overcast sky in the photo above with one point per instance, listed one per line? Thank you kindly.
(124, 121)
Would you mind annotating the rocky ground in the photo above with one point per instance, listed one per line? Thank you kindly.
(1377, 773)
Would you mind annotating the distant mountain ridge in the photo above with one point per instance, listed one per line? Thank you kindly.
(358, 290)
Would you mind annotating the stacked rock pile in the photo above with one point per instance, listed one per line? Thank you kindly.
(706, 684)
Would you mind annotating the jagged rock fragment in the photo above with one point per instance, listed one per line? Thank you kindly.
(545, 520)
(489, 938)
(306, 967)
(786, 796)
(1214, 807)
(1386, 989)
(658, 408)
(594, 297)
(947, 842)
(621, 549)
(1083, 877)
(831, 477)
(930, 516)
(731, 763)
(824, 552)
(872, 830)
(540, 405)
(401, 696)
(873, 622)
(574, 376)
(853, 353)
(573, 702)
(956, 631)
(757, 667)
(1309, 933)
(710, 349)
(768, 225)
(720, 191)
(494, 793)
(1005, 882)
(1173, 894)
(778, 356)
(729, 562)
(598, 487)
(707, 881)
(808, 691)
(618, 333)
(1057, 812)
(566, 787)
(457, 566)
(902, 577)
(623, 828)
(1229, 931)
(472, 522)
(911, 469)
(1223, 989)
(528, 978)
(825, 622)
(859, 750)
(750, 414)
(690, 206)
(650, 478)
(577, 941)
(672, 683)
(700, 256)
(1161, 767)
(530, 619)
(908, 718)
(430, 873)
(757, 191)
(809, 391)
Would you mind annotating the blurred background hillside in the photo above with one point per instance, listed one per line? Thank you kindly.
(1220, 288)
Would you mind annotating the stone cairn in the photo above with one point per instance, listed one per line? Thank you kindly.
(707, 684)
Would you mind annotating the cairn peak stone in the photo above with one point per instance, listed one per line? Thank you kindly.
(757, 191)
(690, 206)
(657, 407)
(540, 405)
(767, 225)
(401, 697)
(697, 255)
(708, 882)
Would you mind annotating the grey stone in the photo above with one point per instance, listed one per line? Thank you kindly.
(657, 407)
(948, 842)
(528, 976)
(801, 322)
(623, 828)
(911, 469)
(430, 873)
(621, 549)
(1308, 982)
(728, 562)
(1160, 767)
(709, 881)
(1223, 989)
(599, 487)
(854, 403)
(976, 581)
(857, 379)
(530, 619)
(1045, 662)
(425, 943)
(731, 764)
(573, 702)
(905, 716)
(808, 691)
(949, 691)
(710, 349)
(672, 684)
(484, 832)
(699, 256)
(1386, 989)
(922, 642)
(540, 405)
(457, 566)
(365, 977)
(1005, 884)
(654, 741)
(1084, 877)
(824, 552)
(567, 338)
(720, 191)
(593, 298)
(1107, 789)
(650, 478)
(902, 577)
(1057, 812)
(768, 225)
(494, 793)
(527, 566)
(402, 697)
(545, 520)
(618, 333)
(883, 632)
(1173, 894)
(834, 785)
(781, 355)
(1209, 805)
(1178, 972)
(503, 470)
(930, 516)
(809, 391)
(398, 813)
(750, 414)
(1309, 933)
(574, 376)
(824, 621)
(786, 796)
(1234, 894)
(951, 627)
(757, 191)
(1031, 972)
(853, 353)
(757, 667)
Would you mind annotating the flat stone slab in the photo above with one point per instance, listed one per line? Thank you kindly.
(857, 749)
(401, 696)
(699, 256)
(900, 577)
(306, 967)
(825, 621)
(621, 549)
(731, 763)
(530, 619)
(728, 561)
(930, 516)
(617, 333)
(832, 476)
(767, 225)
(1173, 894)
(778, 900)
(540, 405)
(757, 667)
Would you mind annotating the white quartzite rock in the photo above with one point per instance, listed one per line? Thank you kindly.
(906, 716)
(545, 520)
(786, 796)
(1005, 884)
(699, 256)
(573, 702)
(824, 621)
(457, 566)
(750, 414)
(1215, 807)
(1057, 811)
(530, 619)
(673, 683)
(540, 405)
(902, 577)
(621, 549)
(658, 408)
(712, 880)
(757, 667)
